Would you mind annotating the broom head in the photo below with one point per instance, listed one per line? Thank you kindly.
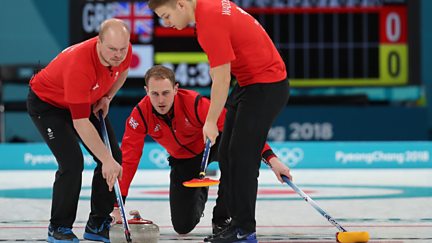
(352, 237)
(201, 182)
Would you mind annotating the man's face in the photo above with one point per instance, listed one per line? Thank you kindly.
(174, 16)
(113, 49)
(161, 93)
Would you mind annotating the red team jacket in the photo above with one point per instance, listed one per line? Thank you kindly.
(228, 34)
(76, 78)
(181, 136)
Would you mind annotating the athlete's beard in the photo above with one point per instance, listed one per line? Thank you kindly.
(105, 60)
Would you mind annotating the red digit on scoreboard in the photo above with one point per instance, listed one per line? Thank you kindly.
(393, 25)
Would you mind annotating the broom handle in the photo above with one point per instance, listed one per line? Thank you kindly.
(116, 184)
(313, 203)
(205, 158)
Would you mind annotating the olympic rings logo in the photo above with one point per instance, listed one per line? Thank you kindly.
(159, 158)
(291, 157)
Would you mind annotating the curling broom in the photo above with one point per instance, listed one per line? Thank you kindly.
(116, 185)
(202, 181)
(343, 236)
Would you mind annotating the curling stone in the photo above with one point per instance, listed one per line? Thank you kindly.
(142, 230)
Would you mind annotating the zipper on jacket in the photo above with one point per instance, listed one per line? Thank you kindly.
(167, 120)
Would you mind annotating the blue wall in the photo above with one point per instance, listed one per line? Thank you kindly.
(299, 155)
(32, 30)
(293, 124)
(351, 123)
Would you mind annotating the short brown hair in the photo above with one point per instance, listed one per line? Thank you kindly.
(153, 4)
(159, 72)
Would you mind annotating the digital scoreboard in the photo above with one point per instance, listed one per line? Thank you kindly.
(324, 43)
(341, 43)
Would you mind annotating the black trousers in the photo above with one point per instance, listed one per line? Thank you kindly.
(56, 127)
(187, 203)
(251, 111)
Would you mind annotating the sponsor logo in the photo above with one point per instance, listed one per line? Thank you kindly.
(46, 159)
(159, 158)
(381, 156)
(291, 157)
(241, 236)
(226, 7)
(96, 86)
(50, 133)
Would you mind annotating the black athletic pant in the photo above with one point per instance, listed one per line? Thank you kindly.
(187, 203)
(55, 126)
(251, 111)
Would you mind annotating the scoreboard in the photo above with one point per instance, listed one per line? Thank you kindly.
(324, 43)
(342, 43)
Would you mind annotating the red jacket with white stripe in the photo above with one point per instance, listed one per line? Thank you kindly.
(181, 134)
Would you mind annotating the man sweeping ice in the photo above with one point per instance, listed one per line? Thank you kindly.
(62, 102)
(174, 118)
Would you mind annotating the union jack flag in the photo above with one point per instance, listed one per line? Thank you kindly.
(138, 16)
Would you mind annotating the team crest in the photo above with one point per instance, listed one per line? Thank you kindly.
(133, 123)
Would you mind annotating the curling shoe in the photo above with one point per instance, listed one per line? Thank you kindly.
(233, 234)
(98, 232)
(61, 235)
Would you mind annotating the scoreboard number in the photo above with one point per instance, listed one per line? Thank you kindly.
(393, 47)
(190, 74)
(191, 69)
(393, 27)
